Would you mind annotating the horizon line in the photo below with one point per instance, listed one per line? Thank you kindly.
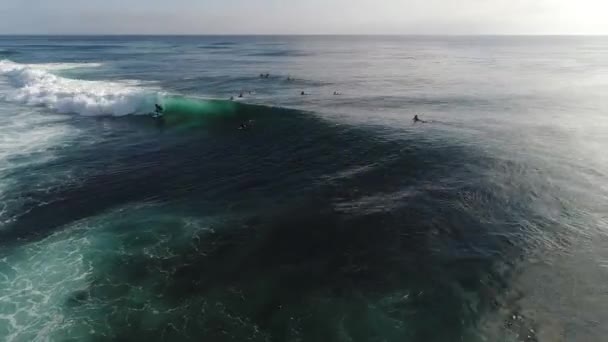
(302, 35)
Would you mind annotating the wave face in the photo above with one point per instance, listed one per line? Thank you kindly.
(37, 85)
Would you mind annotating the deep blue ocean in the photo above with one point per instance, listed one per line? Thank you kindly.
(285, 194)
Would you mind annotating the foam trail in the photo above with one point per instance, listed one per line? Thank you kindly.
(36, 85)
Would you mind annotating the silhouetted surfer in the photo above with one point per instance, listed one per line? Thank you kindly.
(240, 95)
(302, 93)
(158, 110)
(417, 119)
(158, 115)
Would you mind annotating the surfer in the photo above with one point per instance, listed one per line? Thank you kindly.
(337, 93)
(302, 93)
(246, 124)
(231, 98)
(241, 95)
(158, 115)
(417, 119)
(158, 110)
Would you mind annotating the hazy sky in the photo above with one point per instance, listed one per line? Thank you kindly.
(304, 16)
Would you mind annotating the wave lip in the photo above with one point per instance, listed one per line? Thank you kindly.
(36, 85)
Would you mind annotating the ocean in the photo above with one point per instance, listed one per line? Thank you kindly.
(285, 194)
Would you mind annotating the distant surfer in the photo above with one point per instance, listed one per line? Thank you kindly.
(337, 93)
(158, 110)
(416, 119)
(231, 98)
(241, 95)
(246, 125)
(302, 93)
(158, 115)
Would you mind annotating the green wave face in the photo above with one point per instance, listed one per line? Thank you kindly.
(187, 112)
(179, 110)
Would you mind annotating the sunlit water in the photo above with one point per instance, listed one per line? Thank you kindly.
(325, 217)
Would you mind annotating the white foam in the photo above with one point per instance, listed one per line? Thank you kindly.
(40, 281)
(35, 84)
(35, 283)
(29, 139)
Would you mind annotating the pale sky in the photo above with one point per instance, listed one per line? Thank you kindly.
(304, 17)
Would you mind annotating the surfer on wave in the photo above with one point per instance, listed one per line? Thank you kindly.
(158, 110)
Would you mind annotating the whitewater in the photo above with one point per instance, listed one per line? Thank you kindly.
(37, 85)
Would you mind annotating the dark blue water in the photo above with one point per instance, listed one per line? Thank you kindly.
(328, 216)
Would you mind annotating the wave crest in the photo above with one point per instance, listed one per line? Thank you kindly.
(36, 85)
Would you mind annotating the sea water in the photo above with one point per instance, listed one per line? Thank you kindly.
(329, 216)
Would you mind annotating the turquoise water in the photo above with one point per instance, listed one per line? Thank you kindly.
(277, 216)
